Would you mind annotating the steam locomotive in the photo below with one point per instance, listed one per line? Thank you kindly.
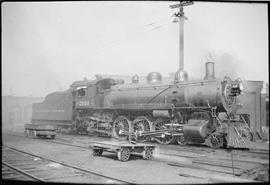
(183, 111)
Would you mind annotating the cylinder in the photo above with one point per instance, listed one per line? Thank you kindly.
(209, 70)
(196, 128)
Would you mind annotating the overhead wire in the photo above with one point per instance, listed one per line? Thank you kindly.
(154, 25)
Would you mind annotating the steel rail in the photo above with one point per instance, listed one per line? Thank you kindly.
(69, 165)
(183, 148)
(187, 148)
(51, 141)
(22, 172)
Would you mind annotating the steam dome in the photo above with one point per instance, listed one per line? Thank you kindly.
(154, 77)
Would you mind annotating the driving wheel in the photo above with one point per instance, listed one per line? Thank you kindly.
(121, 127)
(165, 138)
(142, 124)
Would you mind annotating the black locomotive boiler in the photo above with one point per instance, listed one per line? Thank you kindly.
(183, 111)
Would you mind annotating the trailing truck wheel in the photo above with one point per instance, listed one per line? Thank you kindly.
(123, 154)
(121, 128)
(97, 152)
(181, 140)
(148, 153)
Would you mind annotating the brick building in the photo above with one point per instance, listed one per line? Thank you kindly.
(17, 110)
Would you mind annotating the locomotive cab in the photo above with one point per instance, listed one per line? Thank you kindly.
(90, 94)
(102, 86)
(81, 91)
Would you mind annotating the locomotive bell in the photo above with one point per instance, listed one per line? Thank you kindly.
(154, 77)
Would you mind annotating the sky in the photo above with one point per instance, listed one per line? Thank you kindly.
(48, 45)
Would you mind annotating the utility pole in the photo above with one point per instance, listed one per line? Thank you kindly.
(181, 75)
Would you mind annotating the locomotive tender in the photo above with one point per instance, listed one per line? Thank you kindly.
(183, 111)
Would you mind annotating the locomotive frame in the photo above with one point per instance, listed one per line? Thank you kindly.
(181, 111)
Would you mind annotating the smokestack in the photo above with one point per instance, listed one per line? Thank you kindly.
(209, 70)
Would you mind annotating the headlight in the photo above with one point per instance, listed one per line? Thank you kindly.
(241, 87)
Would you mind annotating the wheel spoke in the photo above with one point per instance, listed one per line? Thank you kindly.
(142, 124)
(216, 140)
(121, 125)
(164, 138)
(181, 140)
(123, 154)
(148, 153)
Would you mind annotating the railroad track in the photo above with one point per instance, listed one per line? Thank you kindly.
(206, 150)
(21, 165)
(196, 149)
(221, 164)
(178, 151)
(56, 140)
(9, 172)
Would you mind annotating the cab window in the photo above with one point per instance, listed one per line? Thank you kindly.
(81, 91)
